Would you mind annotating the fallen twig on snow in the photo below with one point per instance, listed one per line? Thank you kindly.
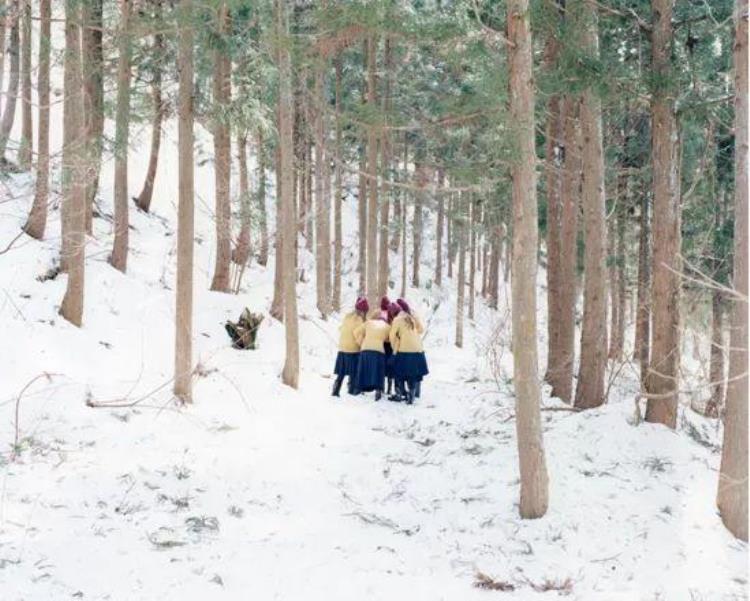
(16, 441)
(483, 581)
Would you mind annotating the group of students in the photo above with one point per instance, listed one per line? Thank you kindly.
(378, 346)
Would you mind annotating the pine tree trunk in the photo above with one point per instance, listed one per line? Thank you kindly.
(11, 97)
(460, 232)
(119, 257)
(372, 173)
(143, 201)
(362, 220)
(183, 367)
(643, 312)
(93, 99)
(552, 176)
(27, 133)
(241, 252)
(611, 262)
(732, 495)
(402, 229)
(262, 212)
(277, 304)
(662, 379)
(222, 90)
(290, 373)
(716, 371)
(590, 386)
(385, 150)
(322, 198)
(37, 221)
(534, 479)
(561, 372)
(422, 178)
(472, 256)
(338, 198)
(440, 226)
(622, 293)
(72, 169)
(494, 275)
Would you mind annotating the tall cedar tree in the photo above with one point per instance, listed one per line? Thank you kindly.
(183, 363)
(74, 206)
(533, 468)
(222, 89)
(662, 379)
(37, 221)
(290, 373)
(732, 496)
(590, 387)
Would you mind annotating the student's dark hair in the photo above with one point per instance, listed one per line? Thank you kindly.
(409, 320)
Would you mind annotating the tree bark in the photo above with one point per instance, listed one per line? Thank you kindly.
(186, 207)
(290, 373)
(553, 177)
(372, 173)
(27, 133)
(277, 304)
(662, 378)
(534, 479)
(716, 370)
(560, 368)
(119, 257)
(222, 91)
(143, 201)
(338, 198)
(385, 149)
(440, 227)
(643, 312)
(322, 197)
(37, 221)
(74, 235)
(590, 387)
(460, 232)
(11, 97)
(472, 255)
(262, 213)
(93, 99)
(732, 494)
(421, 173)
(241, 252)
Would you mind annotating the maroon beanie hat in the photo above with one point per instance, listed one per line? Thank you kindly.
(404, 305)
(362, 305)
(385, 302)
(393, 310)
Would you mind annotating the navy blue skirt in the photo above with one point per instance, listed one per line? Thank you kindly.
(346, 364)
(389, 361)
(371, 371)
(411, 367)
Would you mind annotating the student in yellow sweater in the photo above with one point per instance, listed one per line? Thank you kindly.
(409, 363)
(371, 336)
(347, 358)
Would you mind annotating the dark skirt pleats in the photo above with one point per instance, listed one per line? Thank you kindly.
(346, 364)
(371, 371)
(411, 367)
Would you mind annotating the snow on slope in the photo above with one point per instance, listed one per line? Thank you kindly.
(260, 492)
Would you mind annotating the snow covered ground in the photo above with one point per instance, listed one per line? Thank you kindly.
(257, 491)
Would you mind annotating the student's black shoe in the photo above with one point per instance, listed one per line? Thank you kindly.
(337, 387)
(396, 398)
(418, 388)
(378, 395)
(412, 389)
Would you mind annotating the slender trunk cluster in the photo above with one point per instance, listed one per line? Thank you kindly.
(27, 133)
(11, 96)
(93, 98)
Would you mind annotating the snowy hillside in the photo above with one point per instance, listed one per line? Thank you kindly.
(257, 491)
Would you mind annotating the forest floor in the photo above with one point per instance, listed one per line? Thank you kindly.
(258, 491)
